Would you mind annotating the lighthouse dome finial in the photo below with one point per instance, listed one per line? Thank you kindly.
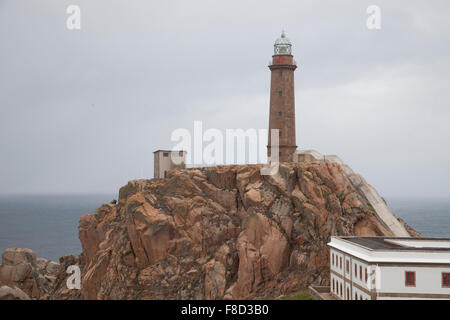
(282, 45)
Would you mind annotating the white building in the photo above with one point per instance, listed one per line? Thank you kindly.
(380, 268)
(165, 160)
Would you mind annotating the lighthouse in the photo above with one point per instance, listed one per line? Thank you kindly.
(282, 99)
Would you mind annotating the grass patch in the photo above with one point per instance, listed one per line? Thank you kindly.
(302, 295)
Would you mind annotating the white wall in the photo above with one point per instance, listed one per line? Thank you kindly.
(338, 256)
(339, 283)
(358, 278)
(336, 267)
(428, 280)
(349, 275)
(360, 294)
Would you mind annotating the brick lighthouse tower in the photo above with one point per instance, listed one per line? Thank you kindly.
(282, 100)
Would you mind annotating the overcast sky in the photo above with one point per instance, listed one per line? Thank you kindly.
(82, 111)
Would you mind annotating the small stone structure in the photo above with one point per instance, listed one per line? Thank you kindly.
(165, 160)
(366, 190)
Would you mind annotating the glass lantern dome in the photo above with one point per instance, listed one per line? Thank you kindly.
(282, 45)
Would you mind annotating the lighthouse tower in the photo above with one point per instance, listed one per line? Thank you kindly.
(282, 100)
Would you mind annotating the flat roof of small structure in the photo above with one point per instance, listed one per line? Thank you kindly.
(400, 243)
(169, 151)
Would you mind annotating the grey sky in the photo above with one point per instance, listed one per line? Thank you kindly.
(82, 111)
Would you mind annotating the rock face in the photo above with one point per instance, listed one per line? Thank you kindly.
(8, 293)
(368, 192)
(23, 275)
(218, 233)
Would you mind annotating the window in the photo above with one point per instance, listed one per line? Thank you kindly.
(366, 275)
(356, 270)
(348, 266)
(410, 278)
(340, 262)
(360, 273)
(165, 154)
(332, 257)
(280, 93)
(280, 113)
(445, 280)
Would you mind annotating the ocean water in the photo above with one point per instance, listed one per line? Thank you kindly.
(430, 217)
(49, 224)
(46, 224)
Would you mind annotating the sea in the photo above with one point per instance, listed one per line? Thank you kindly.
(48, 224)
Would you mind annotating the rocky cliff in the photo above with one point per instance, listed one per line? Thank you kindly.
(24, 276)
(218, 233)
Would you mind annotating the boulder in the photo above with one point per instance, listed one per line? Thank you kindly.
(8, 293)
(15, 256)
(22, 270)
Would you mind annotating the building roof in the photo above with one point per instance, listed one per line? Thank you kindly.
(169, 151)
(399, 243)
(395, 249)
